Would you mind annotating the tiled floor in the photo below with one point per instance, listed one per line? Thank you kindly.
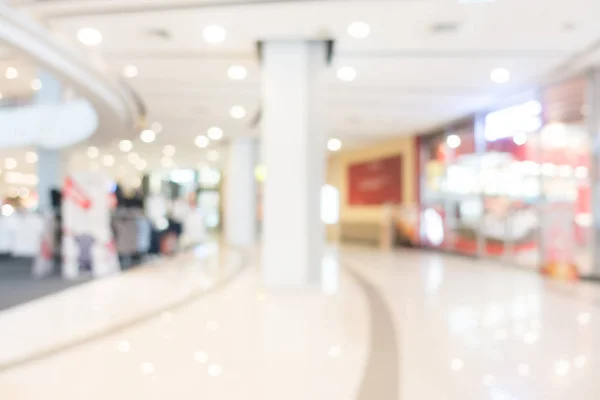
(409, 325)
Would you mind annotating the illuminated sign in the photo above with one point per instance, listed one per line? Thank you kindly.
(519, 119)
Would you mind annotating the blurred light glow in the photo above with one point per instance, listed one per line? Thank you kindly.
(36, 84)
(335, 351)
(213, 155)
(89, 36)
(201, 357)
(124, 346)
(237, 112)
(214, 133)
(7, 210)
(125, 145)
(260, 173)
(108, 160)
(214, 34)
(10, 163)
(93, 152)
(147, 368)
(330, 205)
(457, 364)
(521, 118)
(346, 74)
(500, 75)
(520, 139)
(359, 30)
(584, 318)
(157, 128)
(148, 136)
(215, 370)
(31, 157)
(11, 73)
(133, 157)
(334, 144)
(562, 367)
(237, 72)
(201, 141)
(169, 150)
(453, 141)
(130, 71)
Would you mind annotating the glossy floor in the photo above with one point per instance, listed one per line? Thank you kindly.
(385, 326)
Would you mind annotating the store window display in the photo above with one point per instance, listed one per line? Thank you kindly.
(514, 183)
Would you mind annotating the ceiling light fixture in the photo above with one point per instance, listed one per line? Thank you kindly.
(133, 158)
(11, 73)
(214, 34)
(31, 157)
(93, 152)
(36, 84)
(89, 36)
(148, 136)
(359, 30)
(157, 128)
(201, 141)
(10, 163)
(213, 156)
(125, 146)
(141, 165)
(334, 144)
(237, 112)
(130, 71)
(500, 75)
(346, 74)
(237, 72)
(108, 160)
(169, 150)
(453, 141)
(214, 133)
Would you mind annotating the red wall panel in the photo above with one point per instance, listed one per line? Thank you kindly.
(375, 182)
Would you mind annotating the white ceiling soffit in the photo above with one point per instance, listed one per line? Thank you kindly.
(50, 126)
(424, 63)
(117, 111)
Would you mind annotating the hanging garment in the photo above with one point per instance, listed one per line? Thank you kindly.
(125, 227)
(144, 233)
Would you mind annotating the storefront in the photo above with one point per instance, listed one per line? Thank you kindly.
(514, 182)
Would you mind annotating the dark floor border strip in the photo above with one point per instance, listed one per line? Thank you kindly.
(53, 351)
(381, 375)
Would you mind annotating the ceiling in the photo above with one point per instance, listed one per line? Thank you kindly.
(424, 63)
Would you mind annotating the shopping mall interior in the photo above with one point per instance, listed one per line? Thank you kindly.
(286, 199)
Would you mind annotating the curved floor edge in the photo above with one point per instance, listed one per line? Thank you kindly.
(380, 378)
(47, 353)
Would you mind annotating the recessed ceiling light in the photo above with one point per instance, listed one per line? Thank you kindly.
(125, 145)
(108, 160)
(453, 141)
(148, 136)
(130, 71)
(346, 74)
(500, 75)
(93, 152)
(10, 163)
(36, 84)
(31, 157)
(215, 133)
(237, 112)
(141, 165)
(157, 128)
(133, 158)
(169, 150)
(214, 34)
(201, 141)
(334, 144)
(213, 156)
(11, 73)
(237, 72)
(89, 36)
(359, 30)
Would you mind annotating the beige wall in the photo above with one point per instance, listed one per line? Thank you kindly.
(337, 175)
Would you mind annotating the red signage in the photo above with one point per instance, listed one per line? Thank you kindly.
(375, 182)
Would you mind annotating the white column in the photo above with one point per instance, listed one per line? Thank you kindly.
(49, 164)
(293, 141)
(240, 194)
